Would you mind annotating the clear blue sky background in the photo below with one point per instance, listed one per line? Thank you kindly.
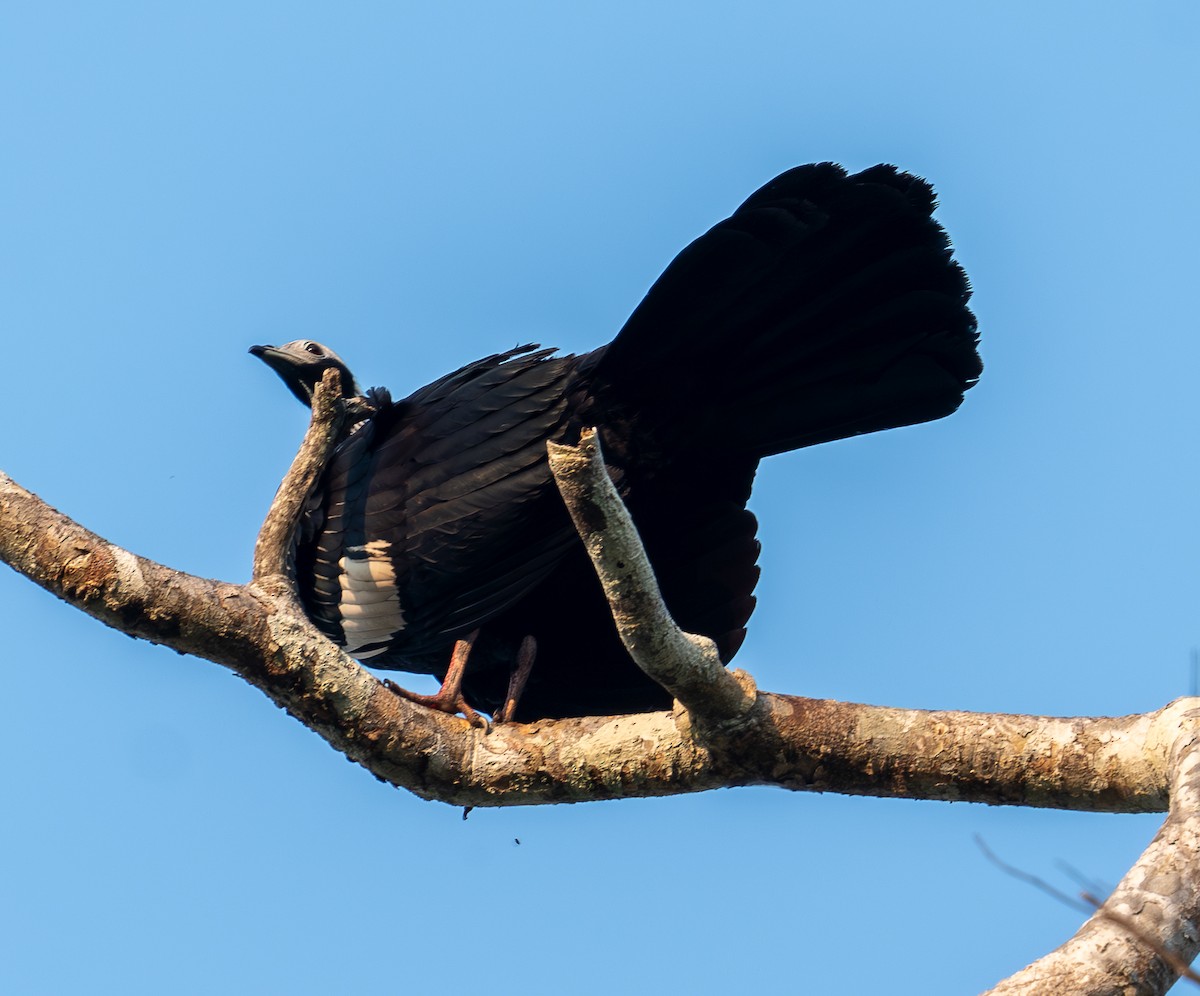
(420, 184)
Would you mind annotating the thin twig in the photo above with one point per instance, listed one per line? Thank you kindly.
(1028, 877)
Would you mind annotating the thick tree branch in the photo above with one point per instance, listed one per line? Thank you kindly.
(1100, 764)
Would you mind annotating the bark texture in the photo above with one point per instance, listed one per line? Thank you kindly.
(722, 733)
(1141, 937)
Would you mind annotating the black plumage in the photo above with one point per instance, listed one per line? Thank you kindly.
(827, 305)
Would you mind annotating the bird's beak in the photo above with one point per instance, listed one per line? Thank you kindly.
(290, 368)
(275, 358)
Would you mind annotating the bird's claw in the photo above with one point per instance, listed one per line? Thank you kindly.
(452, 704)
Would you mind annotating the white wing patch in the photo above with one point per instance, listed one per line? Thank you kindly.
(370, 605)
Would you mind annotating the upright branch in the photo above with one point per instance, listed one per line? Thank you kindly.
(272, 551)
(685, 664)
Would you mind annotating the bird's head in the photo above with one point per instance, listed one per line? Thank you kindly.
(301, 364)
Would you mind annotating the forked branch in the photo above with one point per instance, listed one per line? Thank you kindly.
(1141, 937)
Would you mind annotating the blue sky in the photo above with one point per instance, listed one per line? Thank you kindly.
(418, 185)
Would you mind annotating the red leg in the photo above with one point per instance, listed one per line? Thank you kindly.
(516, 682)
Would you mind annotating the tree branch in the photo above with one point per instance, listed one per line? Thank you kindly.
(272, 552)
(1145, 933)
(685, 664)
(1098, 764)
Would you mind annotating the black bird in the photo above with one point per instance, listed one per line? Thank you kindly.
(827, 305)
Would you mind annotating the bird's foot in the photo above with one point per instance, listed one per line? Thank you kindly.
(516, 682)
(443, 703)
(449, 698)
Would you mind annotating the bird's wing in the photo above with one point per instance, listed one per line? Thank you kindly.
(440, 512)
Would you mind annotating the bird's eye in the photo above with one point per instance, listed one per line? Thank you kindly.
(313, 348)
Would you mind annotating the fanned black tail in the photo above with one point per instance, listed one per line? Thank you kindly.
(827, 305)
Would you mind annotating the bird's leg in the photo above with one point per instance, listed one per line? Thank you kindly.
(516, 681)
(449, 697)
